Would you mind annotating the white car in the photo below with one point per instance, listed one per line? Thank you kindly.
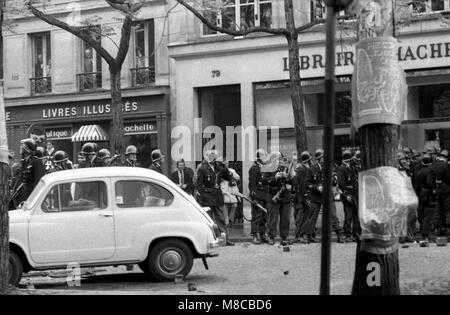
(107, 217)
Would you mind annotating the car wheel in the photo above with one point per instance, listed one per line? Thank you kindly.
(15, 269)
(170, 258)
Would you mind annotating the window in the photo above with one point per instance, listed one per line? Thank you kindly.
(91, 63)
(42, 56)
(434, 101)
(138, 194)
(319, 10)
(240, 15)
(343, 112)
(429, 6)
(76, 196)
(144, 53)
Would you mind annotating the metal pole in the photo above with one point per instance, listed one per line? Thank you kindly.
(329, 115)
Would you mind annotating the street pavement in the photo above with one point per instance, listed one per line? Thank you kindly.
(247, 269)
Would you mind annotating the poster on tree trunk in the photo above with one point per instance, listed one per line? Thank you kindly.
(386, 201)
(379, 85)
(3, 136)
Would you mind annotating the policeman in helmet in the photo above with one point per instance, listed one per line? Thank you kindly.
(32, 170)
(131, 156)
(258, 193)
(439, 179)
(158, 159)
(105, 156)
(427, 200)
(90, 153)
(301, 203)
(347, 176)
(61, 162)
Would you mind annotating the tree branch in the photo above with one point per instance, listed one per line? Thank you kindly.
(124, 41)
(259, 29)
(77, 31)
(309, 25)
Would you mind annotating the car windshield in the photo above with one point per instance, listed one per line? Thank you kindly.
(33, 197)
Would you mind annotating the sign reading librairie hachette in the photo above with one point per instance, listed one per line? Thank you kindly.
(140, 128)
(88, 109)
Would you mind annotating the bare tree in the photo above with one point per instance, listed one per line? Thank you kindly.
(4, 174)
(87, 33)
(291, 32)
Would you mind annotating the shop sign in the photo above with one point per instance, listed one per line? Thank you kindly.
(8, 116)
(59, 133)
(412, 54)
(140, 128)
(86, 110)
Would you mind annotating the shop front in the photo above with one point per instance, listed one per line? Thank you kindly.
(255, 72)
(69, 125)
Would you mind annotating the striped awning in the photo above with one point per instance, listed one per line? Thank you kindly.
(90, 133)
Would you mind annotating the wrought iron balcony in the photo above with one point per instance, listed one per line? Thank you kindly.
(142, 76)
(41, 85)
(89, 81)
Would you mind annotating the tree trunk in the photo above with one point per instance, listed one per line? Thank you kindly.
(298, 106)
(4, 177)
(379, 148)
(117, 135)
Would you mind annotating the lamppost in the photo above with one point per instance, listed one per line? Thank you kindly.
(333, 6)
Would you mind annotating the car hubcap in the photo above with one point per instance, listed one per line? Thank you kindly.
(171, 261)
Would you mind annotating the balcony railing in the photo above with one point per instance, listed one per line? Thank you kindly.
(41, 85)
(142, 76)
(89, 81)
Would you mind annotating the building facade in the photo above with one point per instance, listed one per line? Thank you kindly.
(57, 82)
(232, 81)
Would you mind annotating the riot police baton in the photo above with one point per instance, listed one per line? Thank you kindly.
(251, 201)
(16, 192)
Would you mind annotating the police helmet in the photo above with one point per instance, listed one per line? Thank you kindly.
(28, 145)
(261, 154)
(88, 148)
(157, 155)
(319, 154)
(104, 154)
(39, 153)
(131, 149)
(444, 153)
(407, 151)
(60, 156)
(305, 156)
(347, 156)
(427, 160)
(357, 155)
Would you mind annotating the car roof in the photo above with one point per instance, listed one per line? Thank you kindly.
(105, 172)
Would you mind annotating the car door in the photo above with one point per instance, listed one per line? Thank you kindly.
(73, 223)
(141, 203)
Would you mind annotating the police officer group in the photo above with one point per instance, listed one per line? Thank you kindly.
(299, 187)
(35, 162)
(430, 177)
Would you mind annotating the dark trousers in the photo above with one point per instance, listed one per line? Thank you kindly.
(259, 219)
(442, 210)
(279, 214)
(428, 214)
(351, 219)
(309, 220)
(218, 218)
(299, 214)
(335, 225)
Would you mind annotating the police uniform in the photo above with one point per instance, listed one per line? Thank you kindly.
(278, 209)
(313, 181)
(97, 162)
(427, 202)
(157, 167)
(258, 193)
(209, 177)
(347, 178)
(32, 171)
(439, 178)
(300, 193)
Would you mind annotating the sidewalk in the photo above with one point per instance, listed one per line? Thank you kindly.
(241, 232)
